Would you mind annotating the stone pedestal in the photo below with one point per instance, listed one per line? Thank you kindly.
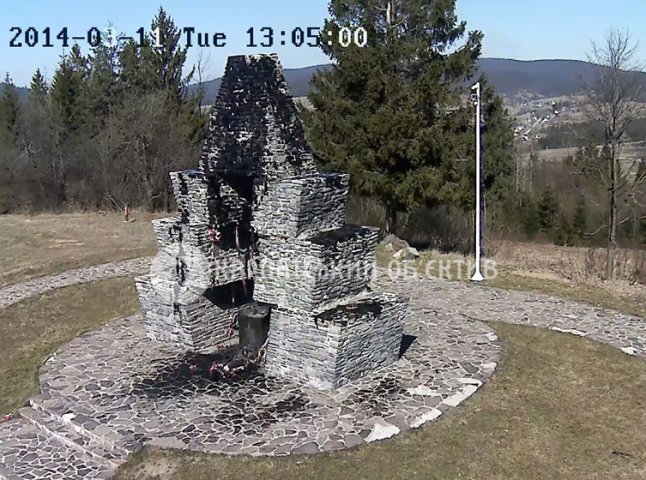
(329, 348)
(179, 316)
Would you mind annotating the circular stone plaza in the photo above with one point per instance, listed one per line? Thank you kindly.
(343, 358)
(112, 391)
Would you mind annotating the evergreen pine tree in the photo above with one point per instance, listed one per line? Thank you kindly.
(38, 89)
(9, 112)
(547, 211)
(131, 75)
(394, 113)
(69, 93)
(167, 61)
(105, 91)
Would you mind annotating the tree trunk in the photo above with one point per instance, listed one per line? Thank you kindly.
(391, 219)
(612, 226)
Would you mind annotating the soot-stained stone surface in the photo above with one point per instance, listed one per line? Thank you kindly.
(123, 385)
(254, 124)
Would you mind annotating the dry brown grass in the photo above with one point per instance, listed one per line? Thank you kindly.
(559, 407)
(562, 269)
(31, 330)
(572, 263)
(629, 153)
(33, 246)
(536, 268)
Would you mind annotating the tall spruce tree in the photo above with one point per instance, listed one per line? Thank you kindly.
(131, 74)
(9, 112)
(105, 90)
(69, 94)
(395, 113)
(38, 89)
(169, 59)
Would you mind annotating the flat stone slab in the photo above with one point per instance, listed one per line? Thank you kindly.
(27, 452)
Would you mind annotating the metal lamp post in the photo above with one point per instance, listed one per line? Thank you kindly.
(477, 276)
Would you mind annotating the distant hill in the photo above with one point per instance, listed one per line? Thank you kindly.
(23, 93)
(298, 80)
(543, 78)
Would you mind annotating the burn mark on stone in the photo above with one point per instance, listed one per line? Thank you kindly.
(330, 238)
(186, 377)
(230, 295)
(255, 122)
(343, 314)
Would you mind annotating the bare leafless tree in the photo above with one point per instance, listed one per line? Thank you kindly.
(614, 102)
(201, 67)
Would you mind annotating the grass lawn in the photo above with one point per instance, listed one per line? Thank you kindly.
(33, 246)
(31, 330)
(559, 407)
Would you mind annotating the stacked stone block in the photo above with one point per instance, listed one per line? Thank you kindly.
(310, 272)
(302, 206)
(179, 316)
(258, 221)
(199, 261)
(331, 347)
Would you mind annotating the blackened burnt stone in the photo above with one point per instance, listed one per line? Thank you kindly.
(254, 125)
(211, 200)
(331, 238)
(233, 294)
(363, 310)
(165, 230)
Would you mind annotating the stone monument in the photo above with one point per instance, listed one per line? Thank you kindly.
(258, 222)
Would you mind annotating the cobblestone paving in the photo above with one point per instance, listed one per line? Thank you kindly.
(121, 391)
(20, 291)
(625, 332)
(115, 380)
(29, 453)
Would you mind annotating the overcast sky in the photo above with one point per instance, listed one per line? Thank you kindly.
(520, 29)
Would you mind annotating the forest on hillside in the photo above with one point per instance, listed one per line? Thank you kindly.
(104, 132)
(110, 125)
